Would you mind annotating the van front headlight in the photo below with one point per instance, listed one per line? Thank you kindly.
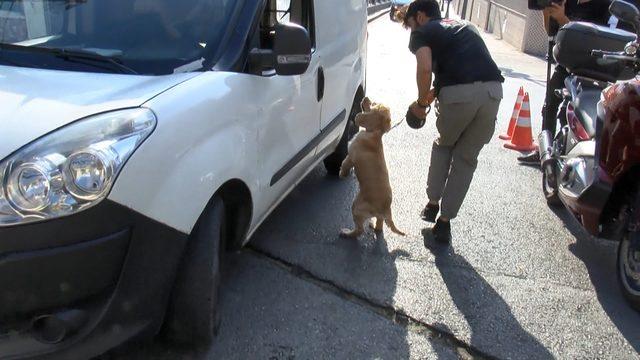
(72, 168)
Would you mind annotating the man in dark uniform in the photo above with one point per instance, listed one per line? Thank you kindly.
(468, 87)
(557, 15)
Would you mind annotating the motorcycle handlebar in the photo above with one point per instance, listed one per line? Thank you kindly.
(615, 55)
(602, 53)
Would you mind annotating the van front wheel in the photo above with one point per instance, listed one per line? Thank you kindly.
(193, 317)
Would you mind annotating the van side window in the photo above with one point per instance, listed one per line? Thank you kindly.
(30, 19)
(286, 11)
(283, 10)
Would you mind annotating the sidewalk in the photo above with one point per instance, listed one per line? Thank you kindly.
(519, 69)
(515, 63)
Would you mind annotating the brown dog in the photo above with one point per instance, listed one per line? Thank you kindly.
(400, 14)
(367, 156)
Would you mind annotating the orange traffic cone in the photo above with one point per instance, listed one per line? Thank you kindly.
(514, 116)
(522, 139)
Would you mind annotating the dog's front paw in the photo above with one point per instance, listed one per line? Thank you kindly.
(374, 226)
(349, 234)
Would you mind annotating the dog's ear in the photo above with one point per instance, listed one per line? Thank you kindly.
(383, 119)
(386, 121)
(400, 14)
(366, 104)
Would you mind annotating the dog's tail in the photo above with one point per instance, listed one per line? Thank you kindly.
(389, 220)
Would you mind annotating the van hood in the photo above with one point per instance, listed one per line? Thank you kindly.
(34, 102)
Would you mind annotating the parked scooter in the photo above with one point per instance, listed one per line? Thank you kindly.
(592, 165)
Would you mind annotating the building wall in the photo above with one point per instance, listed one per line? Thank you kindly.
(508, 20)
(516, 5)
(479, 13)
(536, 39)
(507, 26)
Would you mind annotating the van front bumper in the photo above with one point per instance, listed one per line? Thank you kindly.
(78, 286)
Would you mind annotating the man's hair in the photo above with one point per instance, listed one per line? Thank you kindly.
(428, 7)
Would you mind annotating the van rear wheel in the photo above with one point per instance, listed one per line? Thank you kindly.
(334, 161)
(192, 317)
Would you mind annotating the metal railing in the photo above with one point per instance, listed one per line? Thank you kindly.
(377, 5)
(461, 7)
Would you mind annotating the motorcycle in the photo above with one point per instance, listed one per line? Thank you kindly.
(592, 165)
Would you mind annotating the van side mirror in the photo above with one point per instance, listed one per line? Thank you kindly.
(626, 12)
(292, 49)
(291, 54)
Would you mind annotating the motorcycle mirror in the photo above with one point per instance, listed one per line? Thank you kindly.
(626, 12)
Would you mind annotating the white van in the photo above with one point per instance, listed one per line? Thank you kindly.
(141, 138)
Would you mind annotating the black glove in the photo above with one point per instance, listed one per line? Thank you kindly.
(414, 121)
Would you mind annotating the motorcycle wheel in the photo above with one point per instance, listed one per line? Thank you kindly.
(629, 258)
(550, 185)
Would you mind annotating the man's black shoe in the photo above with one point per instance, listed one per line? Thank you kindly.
(442, 232)
(532, 158)
(430, 212)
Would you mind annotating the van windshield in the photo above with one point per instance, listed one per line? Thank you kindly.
(145, 36)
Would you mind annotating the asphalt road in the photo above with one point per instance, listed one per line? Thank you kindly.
(519, 282)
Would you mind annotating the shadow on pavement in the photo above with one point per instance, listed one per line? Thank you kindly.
(599, 257)
(303, 232)
(294, 297)
(268, 313)
(491, 322)
(508, 72)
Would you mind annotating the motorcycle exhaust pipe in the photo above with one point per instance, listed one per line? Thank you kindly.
(54, 328)
(546, 147)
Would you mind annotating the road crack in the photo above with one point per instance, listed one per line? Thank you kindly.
(397, 316)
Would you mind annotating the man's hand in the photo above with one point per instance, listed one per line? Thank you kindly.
(418, 111)
(429, 98)
(557, 12)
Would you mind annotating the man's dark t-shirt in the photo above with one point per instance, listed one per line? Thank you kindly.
(459, 54)
(594, 11)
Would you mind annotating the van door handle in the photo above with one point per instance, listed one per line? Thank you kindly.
(320, 84)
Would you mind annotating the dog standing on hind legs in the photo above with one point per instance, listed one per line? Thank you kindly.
(366, 155)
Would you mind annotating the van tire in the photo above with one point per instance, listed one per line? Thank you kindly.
(333, 162)
(193, 317)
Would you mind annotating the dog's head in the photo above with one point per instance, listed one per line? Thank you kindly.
(374, 117)
(400, 14)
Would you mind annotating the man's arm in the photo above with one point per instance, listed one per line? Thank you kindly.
(423, 75)
(557, 12)
(545, 20)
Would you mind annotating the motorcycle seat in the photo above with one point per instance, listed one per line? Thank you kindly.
(586, 110)
(585, 103)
